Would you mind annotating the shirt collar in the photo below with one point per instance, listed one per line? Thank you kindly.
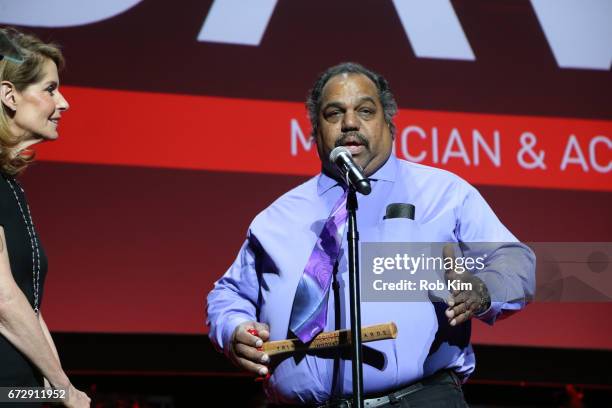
(387, 172)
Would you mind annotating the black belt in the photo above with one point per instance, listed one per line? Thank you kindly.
(441, 377)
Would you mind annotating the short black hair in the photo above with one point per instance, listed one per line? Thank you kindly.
(313, 102)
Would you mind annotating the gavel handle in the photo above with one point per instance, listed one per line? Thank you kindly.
(338, 338)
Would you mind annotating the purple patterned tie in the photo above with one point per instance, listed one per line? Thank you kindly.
(309, 313)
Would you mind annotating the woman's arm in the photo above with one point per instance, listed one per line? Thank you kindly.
(20, 326)
(47, 335)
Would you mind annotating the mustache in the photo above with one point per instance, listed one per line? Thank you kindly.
(344, 137)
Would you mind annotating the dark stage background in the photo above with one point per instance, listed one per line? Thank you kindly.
(187, 119)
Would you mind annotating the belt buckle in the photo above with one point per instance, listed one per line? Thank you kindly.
(376, 402)
(341, 403)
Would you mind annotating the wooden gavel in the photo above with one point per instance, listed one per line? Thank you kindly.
(338, 338)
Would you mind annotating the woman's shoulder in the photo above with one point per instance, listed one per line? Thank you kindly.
(5, 197)
(4, 186)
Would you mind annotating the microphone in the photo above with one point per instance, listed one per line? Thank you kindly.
(343, 159)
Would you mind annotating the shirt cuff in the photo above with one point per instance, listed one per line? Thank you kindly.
(490, 315)
(229, 327)
(494, 284)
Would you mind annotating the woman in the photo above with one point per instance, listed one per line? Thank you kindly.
(31, 109)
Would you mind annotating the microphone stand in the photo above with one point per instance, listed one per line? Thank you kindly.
(355, 297)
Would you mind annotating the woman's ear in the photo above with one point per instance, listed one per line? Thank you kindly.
(8, 95)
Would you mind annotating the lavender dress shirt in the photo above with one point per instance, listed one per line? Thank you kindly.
(260, 285)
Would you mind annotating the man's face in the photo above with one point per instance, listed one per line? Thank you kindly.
(351, 115)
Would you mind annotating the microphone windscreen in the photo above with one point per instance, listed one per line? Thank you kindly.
(337, 152)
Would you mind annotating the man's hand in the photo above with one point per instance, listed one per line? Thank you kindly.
(76, 398)
(244, 347)
(464, 304)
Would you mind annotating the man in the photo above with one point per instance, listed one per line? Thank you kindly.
(255, 301)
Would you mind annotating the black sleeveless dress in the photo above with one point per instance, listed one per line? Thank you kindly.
(15, 368)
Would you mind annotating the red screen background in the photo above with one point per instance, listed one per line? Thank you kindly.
(172, 146)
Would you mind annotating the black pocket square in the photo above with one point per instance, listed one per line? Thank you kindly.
(400, 210)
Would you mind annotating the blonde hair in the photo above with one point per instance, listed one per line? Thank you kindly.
(21, 75)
